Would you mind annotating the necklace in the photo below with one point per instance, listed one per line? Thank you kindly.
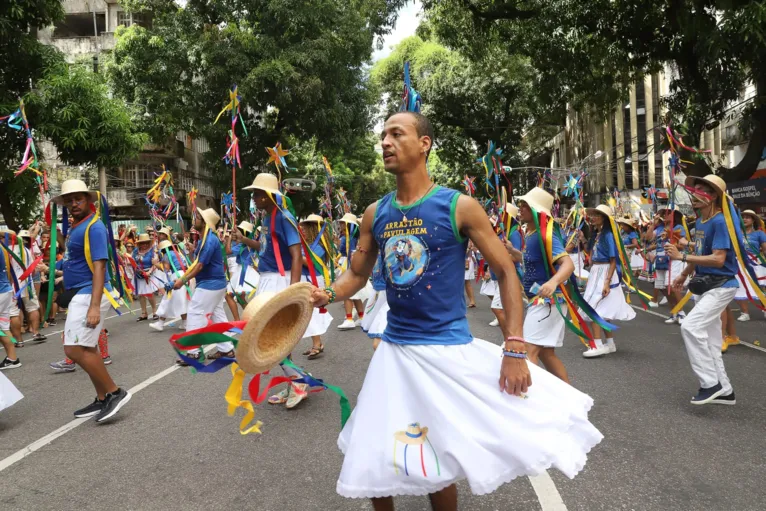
(404, 215)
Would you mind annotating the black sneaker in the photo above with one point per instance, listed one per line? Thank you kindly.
(113, 403)
(38, 337)
(725, 400)
(52, 322)
(705, 396)
(7, 363)
(92, 409)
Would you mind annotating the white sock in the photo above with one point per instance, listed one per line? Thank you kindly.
(610, 341)
(599, 344)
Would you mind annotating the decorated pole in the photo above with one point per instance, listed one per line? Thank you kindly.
(232, 142)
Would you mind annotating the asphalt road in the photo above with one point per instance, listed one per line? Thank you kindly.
(174, 447)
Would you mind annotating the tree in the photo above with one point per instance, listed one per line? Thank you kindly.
(587, 53)
(66, 104)
(469, 102)
(300, 70)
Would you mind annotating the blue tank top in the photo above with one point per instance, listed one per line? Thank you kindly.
(378, 280)
(423, 261)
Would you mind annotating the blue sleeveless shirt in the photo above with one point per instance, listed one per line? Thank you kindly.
(378, 280)
(423, 263)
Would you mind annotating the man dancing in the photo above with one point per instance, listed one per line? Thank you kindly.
(429, 412)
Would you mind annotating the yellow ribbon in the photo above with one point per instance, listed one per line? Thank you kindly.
(735, 243)
(89, 256)
(681, 303)
(234, 399)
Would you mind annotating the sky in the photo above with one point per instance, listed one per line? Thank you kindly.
(406, 24)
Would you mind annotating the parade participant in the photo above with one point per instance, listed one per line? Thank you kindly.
(544, 327)
(514, 244)
(210, 284)
(603, 292)
(173, 304)
(144, 280)
(431, 386)
(318, 237)
(30, 295)
(755, 246)
(349, 238)
(575, 246)
(470, 274)
(280, 261)
(85, 282)
(667, 270)
(244, 285)
(11, 361)
(233, 267)
(631, 242)
(715, 268)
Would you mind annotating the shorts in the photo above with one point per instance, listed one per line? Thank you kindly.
(5, 310)
(496, 303)
(76, 333)
(31, 304)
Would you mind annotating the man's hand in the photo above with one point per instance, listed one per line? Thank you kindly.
(547, 289)
(678, 282)
(319, 297)
(673, 252)
(236, 236)
(514, 376)
(607, 289)
(94, 316)
(178, 284)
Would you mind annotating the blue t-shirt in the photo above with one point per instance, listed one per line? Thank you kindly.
(5, 283)
(77, 274)
(627, 239)
(712, 234)
(662, 262)
(287, 236)
(754, 241)
(168, 256)
(244, 255)
(351, 245)
(143, 261)
(235, 247)
(212, 276)
(534, 265)
(605, 248)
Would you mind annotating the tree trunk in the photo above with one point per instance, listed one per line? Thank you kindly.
(6, 208)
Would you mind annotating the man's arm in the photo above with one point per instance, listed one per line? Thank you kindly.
(94, 311)
(564, 270)
(254, 244)
(190, 274)
(360, 268)
(297, 267)
(714, 260)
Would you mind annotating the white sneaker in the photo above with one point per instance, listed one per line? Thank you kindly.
(611, 346)
(653, 305)
(349, 324)
(680, 318)
(158, 325)
(182, 325)
(595, 352)
(358, 322)
(744, 317)
(671, 320)
(494, 322)
(664, 300)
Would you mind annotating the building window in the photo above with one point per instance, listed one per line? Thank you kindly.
(139, 176)
(136, 18)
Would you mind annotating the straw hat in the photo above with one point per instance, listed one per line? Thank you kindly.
(538, 199)
(313, 218)
(630, 222)
(512, 210)
(4, 230)
(601, 208)
(24, 234)
(413, 435)
(746, 212)
(350, 218)
(144, 238)
(73, 186)
(266, 182)
(275, 324)
(165, 230)
(210, 217)
(245, 226)
(149, 228)
(165, 244)
(718, 184)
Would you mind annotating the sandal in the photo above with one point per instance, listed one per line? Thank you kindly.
(280, 397)
(472, 306)
(193, 356)
(314, 352)
(142, 318)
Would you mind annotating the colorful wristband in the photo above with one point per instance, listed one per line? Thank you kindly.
(515, 354)
(330, 291)
(515, 339)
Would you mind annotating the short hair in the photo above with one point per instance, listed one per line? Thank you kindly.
(423, 127)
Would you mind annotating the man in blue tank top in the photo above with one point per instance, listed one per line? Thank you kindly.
(431, 390)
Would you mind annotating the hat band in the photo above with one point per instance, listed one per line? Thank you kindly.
(411, 435)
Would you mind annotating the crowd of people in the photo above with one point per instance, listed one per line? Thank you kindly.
(396, 269)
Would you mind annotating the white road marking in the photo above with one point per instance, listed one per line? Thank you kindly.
(66, 428)
(743, 343)
(547, 494)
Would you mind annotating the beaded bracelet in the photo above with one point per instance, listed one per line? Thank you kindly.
(330, 291)
(515, 354)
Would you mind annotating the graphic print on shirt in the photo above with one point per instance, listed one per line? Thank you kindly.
(263, 239)
(406, 255)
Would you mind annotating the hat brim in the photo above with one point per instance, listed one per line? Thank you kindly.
(625, 222)
(594, 210)
(401, 436)
(693, 180)
(59, 199)
(532, 203)
(276, 323)
(263, 189)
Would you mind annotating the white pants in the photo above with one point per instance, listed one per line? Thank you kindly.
(5, 310)
(703, 337)
(202, 303)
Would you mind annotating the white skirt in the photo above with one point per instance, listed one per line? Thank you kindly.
(235, 273)
(320, 322)
(9, 394)
(365, 293)
(663, 279)
(178, 302)
(544, 326)
(613, 306)
(470, 273)
(376, 315)
(744, 285)
(144, 288)
(272, 281)
(636, 260)
(579, 265)
(489, 288)
(470, 430)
